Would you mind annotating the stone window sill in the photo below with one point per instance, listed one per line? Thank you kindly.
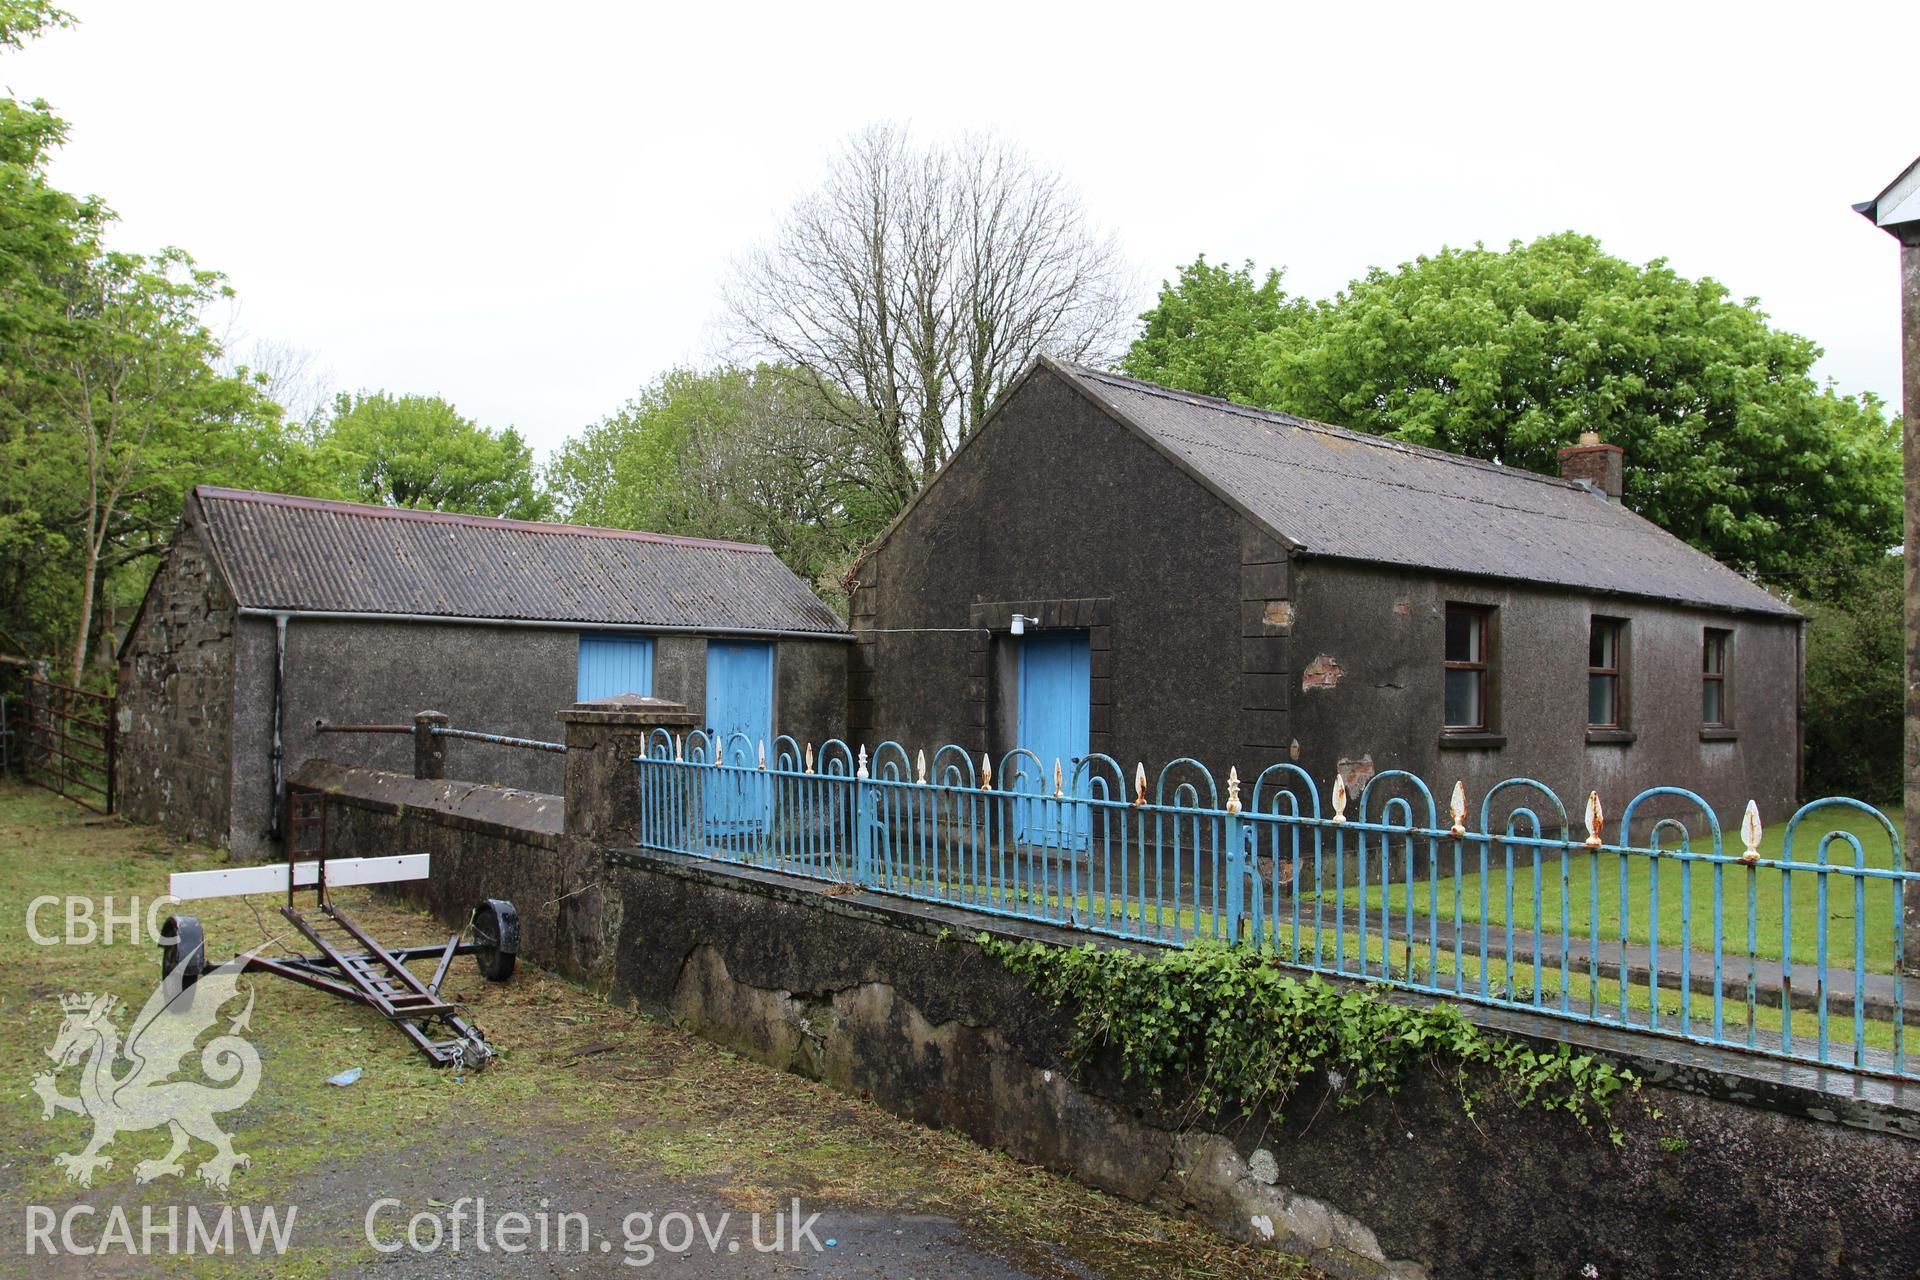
(1718, 733)
(1610, 737)
(1472, 741)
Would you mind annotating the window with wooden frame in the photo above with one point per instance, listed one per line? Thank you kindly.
(1467, 669)
(1606, 643)
(1716, 709)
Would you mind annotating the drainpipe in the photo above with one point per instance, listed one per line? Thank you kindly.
(277, 756)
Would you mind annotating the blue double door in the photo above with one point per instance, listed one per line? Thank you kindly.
(1055, 723)
(740, 718)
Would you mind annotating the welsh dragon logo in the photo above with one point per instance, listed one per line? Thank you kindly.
(142, 1094)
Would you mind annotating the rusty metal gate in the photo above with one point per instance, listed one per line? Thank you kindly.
(64, 738)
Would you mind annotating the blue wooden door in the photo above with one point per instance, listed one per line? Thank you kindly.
(611, 663)
(739, 702)
(1055, 724)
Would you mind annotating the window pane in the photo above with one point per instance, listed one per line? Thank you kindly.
(1600, 703)
(1712, 706)
(1463, 634)
(1463, 700)
(1713, 654)
(1603, 644)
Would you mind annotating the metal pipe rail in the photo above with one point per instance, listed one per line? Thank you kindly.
(443, 731)
(1650, 924)
(497, 739)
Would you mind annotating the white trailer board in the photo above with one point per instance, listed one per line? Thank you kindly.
(271, 877)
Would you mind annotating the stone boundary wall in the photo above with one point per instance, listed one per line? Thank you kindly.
(1751, 1170)
(485, 842)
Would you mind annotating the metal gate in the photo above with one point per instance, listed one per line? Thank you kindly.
(65, 740)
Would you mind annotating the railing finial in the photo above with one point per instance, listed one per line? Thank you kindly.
(1457, 805)
(1233, 789)
(861, 770)
(679, 748)
(1339, 797)
(763, 755)
(1059, 783)
(986, 772)
(1750, 832)
(809, 757)
(1596, 819)
(920, 767)
(1140, 784)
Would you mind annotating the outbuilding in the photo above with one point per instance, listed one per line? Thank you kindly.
(1108, 566)
(273, 616)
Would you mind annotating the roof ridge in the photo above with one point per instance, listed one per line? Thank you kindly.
(420, 516)
(1279, 418)
(1401, 484)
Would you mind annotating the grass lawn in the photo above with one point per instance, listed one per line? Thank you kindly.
(1760, 1027)
(1762, 890)
(596, 1106)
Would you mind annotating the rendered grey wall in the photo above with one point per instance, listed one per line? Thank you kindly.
(1054, 501)
(1384, 629)
(1224, 649)
(810, 683)
(508, 680)
(810, 690)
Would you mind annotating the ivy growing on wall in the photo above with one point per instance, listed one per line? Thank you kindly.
(1218, 1029)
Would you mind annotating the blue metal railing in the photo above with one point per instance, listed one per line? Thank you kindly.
(1653, 926)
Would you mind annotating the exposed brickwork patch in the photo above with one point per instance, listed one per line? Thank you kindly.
(1323, 672)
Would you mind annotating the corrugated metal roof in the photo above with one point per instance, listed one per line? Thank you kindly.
(304, 554)
(1342, 493)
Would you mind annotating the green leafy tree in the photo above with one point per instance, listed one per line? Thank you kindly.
(1855, 681)
(418, 451)
(1201, 334)
(131, 390)
(46, 236)
(21, 20)
(747, 455)
(112, 396)
(1509, 355)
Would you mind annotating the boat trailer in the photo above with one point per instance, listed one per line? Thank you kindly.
(348, 962)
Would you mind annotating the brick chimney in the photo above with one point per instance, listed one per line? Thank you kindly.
(1601, 465)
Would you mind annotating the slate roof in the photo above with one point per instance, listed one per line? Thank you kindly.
(308, 555)
(1334, 492)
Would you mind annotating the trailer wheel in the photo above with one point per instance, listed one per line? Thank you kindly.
(183, 953)
(496, 930)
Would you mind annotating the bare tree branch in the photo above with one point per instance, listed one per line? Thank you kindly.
(916, 282)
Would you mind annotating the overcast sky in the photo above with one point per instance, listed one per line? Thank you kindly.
(529, 209)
